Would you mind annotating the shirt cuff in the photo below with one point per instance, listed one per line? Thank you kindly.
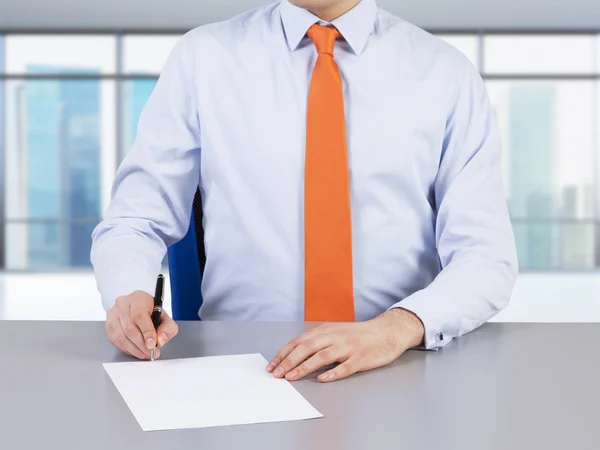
(115, 287)
(437, 332)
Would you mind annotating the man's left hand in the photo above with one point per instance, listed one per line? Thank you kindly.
(358, 346)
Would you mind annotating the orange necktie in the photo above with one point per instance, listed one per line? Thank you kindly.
(329, 293)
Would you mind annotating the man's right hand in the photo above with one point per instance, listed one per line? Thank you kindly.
(129, 325)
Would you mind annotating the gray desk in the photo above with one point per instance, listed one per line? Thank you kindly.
(505, 386)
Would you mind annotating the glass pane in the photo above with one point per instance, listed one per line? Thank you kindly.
(2, 107)
(539, 54)
(135, 95)
(60, 148)
(48, 244)
(547, 130)
(597, 56)
(467, 44)
(555, 245)
(2, 51)
(146, 54)
(60, 54)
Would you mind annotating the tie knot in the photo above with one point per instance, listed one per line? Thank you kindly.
(323, 38)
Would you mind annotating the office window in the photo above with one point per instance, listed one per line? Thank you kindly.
(60, 54)
(59, 146)
(555, 245)
(549, 127)
(547, 130)
(2, 132)
(58, 133)
(539, 55)
(597, 54)
(62, 138)
(146, 53)
(467, 44)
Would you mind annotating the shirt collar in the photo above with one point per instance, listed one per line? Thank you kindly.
(355, 26)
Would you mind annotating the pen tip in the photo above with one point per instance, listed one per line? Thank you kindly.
(152, 354)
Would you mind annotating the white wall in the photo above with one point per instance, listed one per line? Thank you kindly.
(559, 297)
(73, 296)
(185, 14)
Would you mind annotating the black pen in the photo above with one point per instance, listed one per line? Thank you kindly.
(158, 308)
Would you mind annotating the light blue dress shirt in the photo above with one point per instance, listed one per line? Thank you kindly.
(228, 114)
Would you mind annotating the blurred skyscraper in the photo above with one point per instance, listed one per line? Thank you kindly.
(533, 167)
(136, 94)
(61, 171)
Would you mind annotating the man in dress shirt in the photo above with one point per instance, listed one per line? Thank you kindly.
(349, 165)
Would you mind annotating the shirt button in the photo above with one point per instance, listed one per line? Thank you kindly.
(439, 337)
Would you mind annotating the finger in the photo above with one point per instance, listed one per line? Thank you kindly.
(133, 333)
(167, 329)
(342, 371)
(304, 350)
(287, 349)
(126, 346)
(325, 357)
(142, 319)
(281, 354)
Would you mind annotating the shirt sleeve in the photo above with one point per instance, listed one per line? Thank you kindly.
(154, 187)
(474, 236)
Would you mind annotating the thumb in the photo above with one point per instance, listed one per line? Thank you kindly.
(167, 329)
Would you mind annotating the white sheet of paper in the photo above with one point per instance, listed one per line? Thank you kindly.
(206, 392)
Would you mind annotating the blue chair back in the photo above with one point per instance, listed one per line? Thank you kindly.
(187, 259)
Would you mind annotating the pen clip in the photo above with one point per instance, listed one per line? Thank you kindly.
(159, 292)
